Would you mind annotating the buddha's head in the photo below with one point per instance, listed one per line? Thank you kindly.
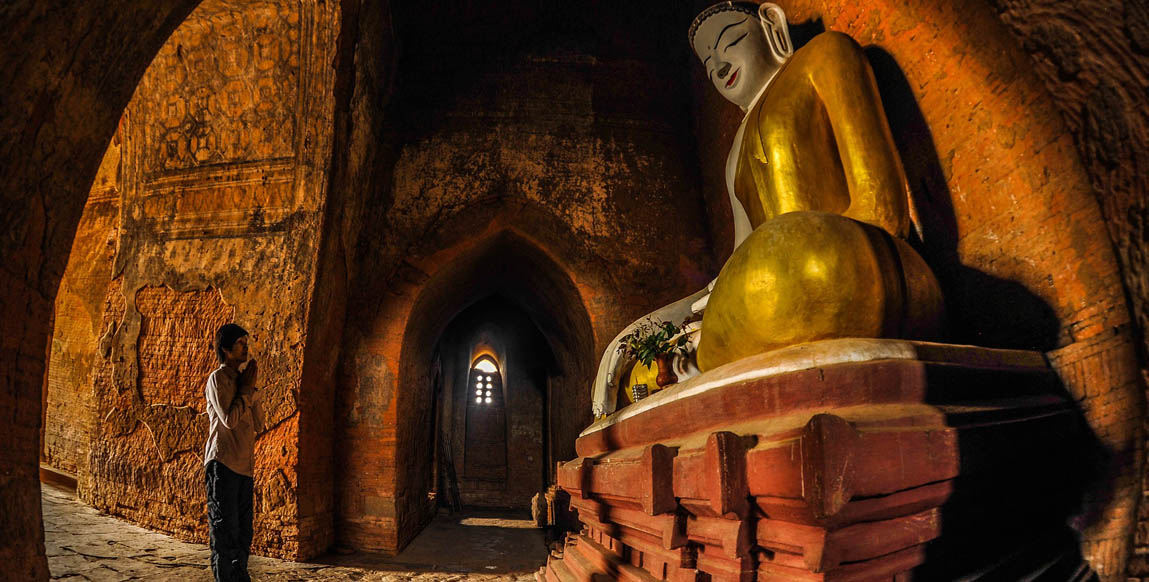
(742, 45)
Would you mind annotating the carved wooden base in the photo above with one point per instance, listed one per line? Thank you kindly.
(900, 459)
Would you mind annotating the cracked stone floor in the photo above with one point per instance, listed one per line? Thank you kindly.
(84, 545)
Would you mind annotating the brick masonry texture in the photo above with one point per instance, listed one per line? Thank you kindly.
(221, 197)
(1021, 125)
(1094, 58)
(68, 75)
(78, 317)
(552, 174)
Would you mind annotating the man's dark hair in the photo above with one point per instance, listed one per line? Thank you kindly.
(225, 338)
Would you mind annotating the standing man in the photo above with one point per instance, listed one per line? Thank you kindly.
(234, 417)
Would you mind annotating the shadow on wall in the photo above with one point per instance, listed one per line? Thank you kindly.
(1010, 520)
(1003, 521)
(984, 310)
(387, 395)
(1017, 509)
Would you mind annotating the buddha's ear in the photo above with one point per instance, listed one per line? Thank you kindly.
(773, 21)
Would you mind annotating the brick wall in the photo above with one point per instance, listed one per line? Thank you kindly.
(77, 322)
(571, 139)
(221, 176)
(68, 74)
(67, 89)
(1093, 59)
(526, 360)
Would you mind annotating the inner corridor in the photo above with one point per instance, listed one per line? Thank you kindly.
(822, 290)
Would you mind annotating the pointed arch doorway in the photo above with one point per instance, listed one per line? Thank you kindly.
(492, 407)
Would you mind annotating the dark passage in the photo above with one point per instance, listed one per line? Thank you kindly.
(492, 425)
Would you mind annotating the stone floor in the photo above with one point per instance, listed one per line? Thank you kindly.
(84, 545)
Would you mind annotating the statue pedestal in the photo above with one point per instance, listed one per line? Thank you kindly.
(836, 460)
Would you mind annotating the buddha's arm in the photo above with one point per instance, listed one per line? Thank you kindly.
(873, 170)
(605, 386)
(742, 226)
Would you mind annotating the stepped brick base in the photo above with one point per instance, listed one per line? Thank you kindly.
(845, 460)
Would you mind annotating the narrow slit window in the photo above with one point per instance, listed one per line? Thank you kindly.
(485, 451)
(484, 379)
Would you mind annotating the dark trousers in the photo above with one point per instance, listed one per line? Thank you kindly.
(229, 517)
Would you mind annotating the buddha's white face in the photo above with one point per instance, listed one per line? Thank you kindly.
(738, 60)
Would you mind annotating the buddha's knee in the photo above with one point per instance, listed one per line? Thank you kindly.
(806, 276)
(923, 307)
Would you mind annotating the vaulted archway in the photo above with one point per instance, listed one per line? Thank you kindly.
(503, 264)
(69, 76)
(492, 420)
(1004, 151)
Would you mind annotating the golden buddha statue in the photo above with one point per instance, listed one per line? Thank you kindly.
(819, 197)
(816, 173)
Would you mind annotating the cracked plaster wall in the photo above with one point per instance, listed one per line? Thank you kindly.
(220, 169)
(78, 322)
(67, 74)
(69, 63)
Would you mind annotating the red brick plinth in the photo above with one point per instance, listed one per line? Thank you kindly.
(842, 460)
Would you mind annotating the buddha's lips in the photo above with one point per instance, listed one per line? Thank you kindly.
(733, 78)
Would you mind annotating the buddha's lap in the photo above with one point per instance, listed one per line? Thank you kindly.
(805, 276)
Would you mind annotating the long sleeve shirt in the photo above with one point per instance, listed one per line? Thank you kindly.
(234, 416)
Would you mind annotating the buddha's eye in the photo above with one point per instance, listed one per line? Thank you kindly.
(735, 41)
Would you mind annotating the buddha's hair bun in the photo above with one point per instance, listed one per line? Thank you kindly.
(728, 6)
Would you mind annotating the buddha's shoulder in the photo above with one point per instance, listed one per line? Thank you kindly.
(831, 46)
(829, 54)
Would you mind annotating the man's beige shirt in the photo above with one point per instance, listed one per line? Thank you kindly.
(233, 419)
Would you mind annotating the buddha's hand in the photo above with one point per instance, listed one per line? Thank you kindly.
(699, 305)
(612, 361)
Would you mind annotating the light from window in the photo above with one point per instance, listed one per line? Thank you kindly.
(484, 384)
